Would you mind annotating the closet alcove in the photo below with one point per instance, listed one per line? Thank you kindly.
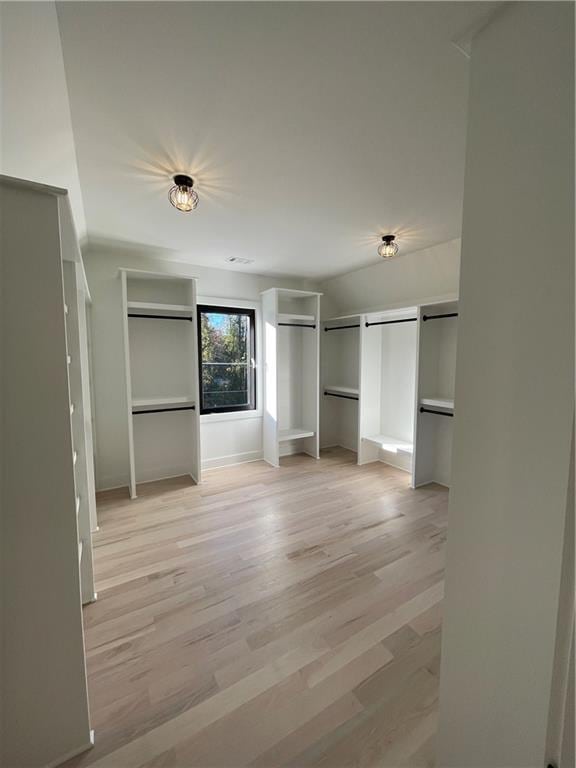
(438, 327)
(291, 373)
(340, 382)
(387, 387)
(389, 342)
(161, 359)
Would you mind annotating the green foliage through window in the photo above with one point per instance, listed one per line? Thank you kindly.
(226, 352)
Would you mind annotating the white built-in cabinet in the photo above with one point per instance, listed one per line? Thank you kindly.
(340, 382)
(161, 364)
(388, 357)
(291, 321)
(434, 405)
(47, 491)
(388, 387)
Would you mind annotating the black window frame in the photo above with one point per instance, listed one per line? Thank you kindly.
(216, 309)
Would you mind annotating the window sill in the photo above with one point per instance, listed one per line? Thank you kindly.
(233, 416)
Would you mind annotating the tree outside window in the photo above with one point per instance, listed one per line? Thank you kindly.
(226, 348)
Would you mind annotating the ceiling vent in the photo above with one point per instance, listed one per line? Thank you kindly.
(239, 260)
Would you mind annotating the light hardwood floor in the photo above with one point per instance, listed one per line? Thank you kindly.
(268, 617)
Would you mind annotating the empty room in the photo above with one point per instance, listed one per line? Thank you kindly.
(287, 384)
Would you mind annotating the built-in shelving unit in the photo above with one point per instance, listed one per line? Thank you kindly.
(389, 342)
(45, 494)
(435, 413)
(77, 299)
(340, 374)
(161, 357)
(291, 379)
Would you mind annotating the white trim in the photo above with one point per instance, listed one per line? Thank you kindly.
(293, 290)
(401, 305)
(145, 274)
(234, 458)
(256, 306)
(210, 418)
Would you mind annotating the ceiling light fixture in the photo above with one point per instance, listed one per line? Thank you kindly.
(181, 195)
(388, 249)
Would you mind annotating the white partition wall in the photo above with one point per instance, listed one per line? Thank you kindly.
(44, 702)
(161, 352)
(388, 354)
(291, 373)
(340, 382)
(438, 325)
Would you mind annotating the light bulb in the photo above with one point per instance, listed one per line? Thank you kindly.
(181, 195)
(388, 248)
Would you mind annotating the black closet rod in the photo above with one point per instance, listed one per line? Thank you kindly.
(342, 327)
(392, 322)
(438, 413)
(344, 397)
(437, 317)
(162, 317)
(166, 410)
(297, 325)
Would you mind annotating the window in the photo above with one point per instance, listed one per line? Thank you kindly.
(226, 351)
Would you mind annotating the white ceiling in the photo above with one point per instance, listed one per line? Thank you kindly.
(311, 128)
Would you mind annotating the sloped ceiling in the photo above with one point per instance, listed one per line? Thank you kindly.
(311, 128)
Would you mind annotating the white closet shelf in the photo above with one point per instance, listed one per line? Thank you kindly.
(337, 389)
(153, 308)
(391, 444)
(294, 434)
(288, 317)
(438, 402)
(158, 402)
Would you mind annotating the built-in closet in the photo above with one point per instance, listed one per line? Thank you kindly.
(438, 325)
(388, 387)
(161, 358)
(340, 382)
(47, 491)
(388, 354)
(291, 373)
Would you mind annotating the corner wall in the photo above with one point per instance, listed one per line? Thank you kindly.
(515, 393)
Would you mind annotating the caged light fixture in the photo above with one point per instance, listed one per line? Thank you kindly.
(388, 248)
(181, 195)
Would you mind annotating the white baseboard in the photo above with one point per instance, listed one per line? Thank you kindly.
(234, 458)
(112, 483)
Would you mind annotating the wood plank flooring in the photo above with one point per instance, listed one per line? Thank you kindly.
(269, 617)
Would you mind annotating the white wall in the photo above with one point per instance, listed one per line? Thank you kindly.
(514, 389)
(226, 438)
(36, 140)
(411, 278)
